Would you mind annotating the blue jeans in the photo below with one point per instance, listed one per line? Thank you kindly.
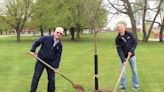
(39, 67)
(133, 66)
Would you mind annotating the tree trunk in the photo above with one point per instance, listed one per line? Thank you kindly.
(78, 31)
(49, 31)
(41, 30)
(161, 31)
(65, 31)
(78, 34)
(18, 35)
(1, 32)
(134, 28)
(143, 22)
(144, 35)
(149, 31)
(131, 16)
(72, 31)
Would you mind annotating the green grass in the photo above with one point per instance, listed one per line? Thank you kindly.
(77, 63)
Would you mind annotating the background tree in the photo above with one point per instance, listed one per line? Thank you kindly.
(41, 15)
(138, 8)
(50, 14)
(77, 17)
(153, 20)
(126, 7)
(80, 16)
(4, 27)
(16, 13)
(162, 21)
(161, 31)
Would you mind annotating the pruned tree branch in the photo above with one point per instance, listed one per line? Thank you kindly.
(154, 22)
(121, 11)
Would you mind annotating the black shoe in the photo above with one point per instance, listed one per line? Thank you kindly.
(135, 88)
(122, 89)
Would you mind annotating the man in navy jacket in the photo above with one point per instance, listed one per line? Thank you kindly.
(50, 51)
(126, 44)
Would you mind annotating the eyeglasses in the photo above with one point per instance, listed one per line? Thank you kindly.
(59, 33)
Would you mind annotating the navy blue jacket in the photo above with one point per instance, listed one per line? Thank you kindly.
(124, 44)
(47, 51)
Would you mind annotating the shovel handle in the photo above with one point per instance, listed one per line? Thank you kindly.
(122, 71)
(52, 68)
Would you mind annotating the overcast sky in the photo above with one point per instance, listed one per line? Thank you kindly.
(123, 17)
(112, 20)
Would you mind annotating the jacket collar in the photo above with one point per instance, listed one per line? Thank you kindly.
(53, 37)
(120, 37)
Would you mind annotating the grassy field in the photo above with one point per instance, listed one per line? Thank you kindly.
(77, 63)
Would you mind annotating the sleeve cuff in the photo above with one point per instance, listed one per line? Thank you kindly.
(32, 50)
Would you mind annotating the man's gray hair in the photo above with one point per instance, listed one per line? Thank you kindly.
(121, 22)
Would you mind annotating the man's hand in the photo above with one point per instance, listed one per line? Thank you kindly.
(32, 54)
(129, 53)
(125, 63)
(56, 70)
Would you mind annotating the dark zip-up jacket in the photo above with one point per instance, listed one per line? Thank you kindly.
(47, 50)
(124, 44)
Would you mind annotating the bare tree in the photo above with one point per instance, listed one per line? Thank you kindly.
(125, 7)
(146, 36)
(162, 24)
(161, 31)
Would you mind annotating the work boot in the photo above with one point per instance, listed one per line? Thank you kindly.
(122, 89)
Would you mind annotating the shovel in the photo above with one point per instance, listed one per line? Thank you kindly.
(75, 86)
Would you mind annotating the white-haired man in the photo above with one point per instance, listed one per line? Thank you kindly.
(126, 44)
(50, 51)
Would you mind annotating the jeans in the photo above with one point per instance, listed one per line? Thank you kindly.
(133, 66)
(39, 67)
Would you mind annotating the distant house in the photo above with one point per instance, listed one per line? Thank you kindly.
(155, 29)
(24, 31)
(130, 29)
(28, 30)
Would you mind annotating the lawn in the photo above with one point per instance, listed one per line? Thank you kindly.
(77, 63)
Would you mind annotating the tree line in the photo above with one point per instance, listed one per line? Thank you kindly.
(48, 14)
(77, 15)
